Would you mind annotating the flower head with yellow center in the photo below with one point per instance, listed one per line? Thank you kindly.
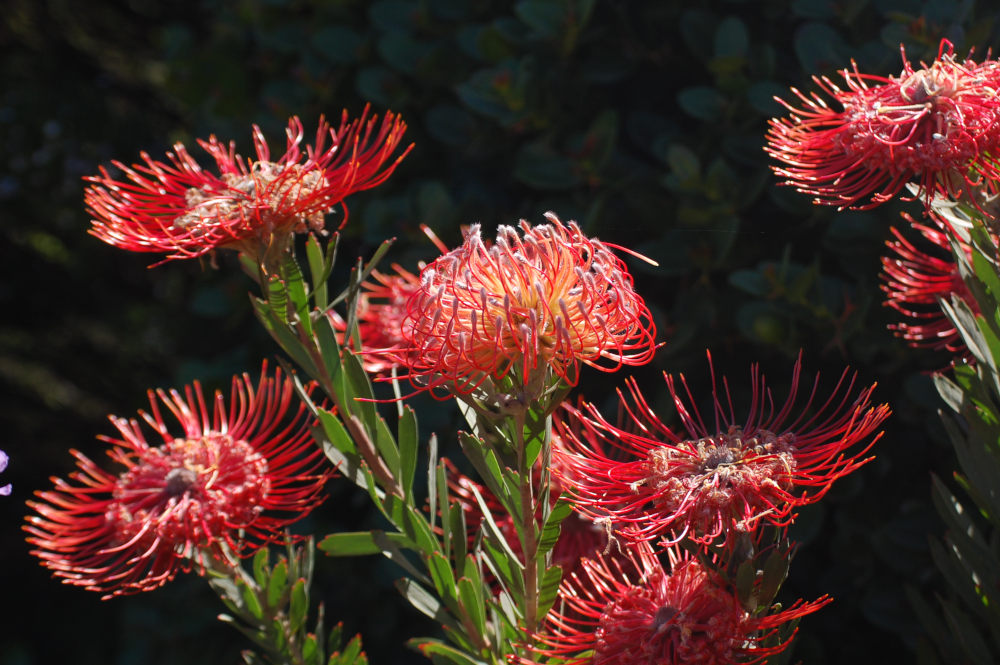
(529, 307)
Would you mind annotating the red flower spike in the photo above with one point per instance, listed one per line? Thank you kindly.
(234, 476)
(184, 211)
(914, 280)
(704, 483)
(938, 126)
(638, 614)
(546, 299)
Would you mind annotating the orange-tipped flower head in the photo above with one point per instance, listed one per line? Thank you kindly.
(537, 302)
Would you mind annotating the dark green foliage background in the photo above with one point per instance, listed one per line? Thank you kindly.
(644, 121)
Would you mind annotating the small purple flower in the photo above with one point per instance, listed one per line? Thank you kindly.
(5, 490)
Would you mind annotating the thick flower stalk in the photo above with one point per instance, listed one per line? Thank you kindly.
(938, 126)
(914, 280)
(228, 481)
(718, 480)
(180, 209)
(638, 613)
(533, 305)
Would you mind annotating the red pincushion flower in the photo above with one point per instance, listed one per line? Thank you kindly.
(234, 477)
(185, 211)
(704, 482)
(938, 126)
(549, 299)
(914, 280)
(639, 614)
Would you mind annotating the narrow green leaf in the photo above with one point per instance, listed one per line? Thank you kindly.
(251, 603)
(278, 638)
(260, 566)
(408, 448)
(310, 651)
(443, 578)
(775, 572)
(351, 655)
(411, 522)
(298, 297)
(457, 530)
(551, 528)
(548, 590)
(486, 465)
(746, 573)
(299, 605)
(329, 348)
(471, 596)
(317, 271)
(450, 654)
(426, 603)
(505, 570)
(284, 336)
(361, 543)
(334, 639)
(433, 470)
(278, 584)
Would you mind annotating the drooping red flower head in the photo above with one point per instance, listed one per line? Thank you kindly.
(938, 126)
(715, 479)
(184, 211)
(382, 322)
(547, 299)
(914, 280)
(233, 476)
(638, 613)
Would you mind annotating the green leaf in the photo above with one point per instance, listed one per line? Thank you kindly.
(458, 531)
(472, 597)
(548, 590)
(775, 572)
(284, 336)
(408, 448)
(278, 584)
(550, 530)
(746, 574)
(298, 296)
(426, 603)
(251, 603)
(443, 578)
(329, 348)
(360, 543)
(486, 464)
(431, 648)
(299, 606)
(310, 650)
(260, 566)
(351, 655)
